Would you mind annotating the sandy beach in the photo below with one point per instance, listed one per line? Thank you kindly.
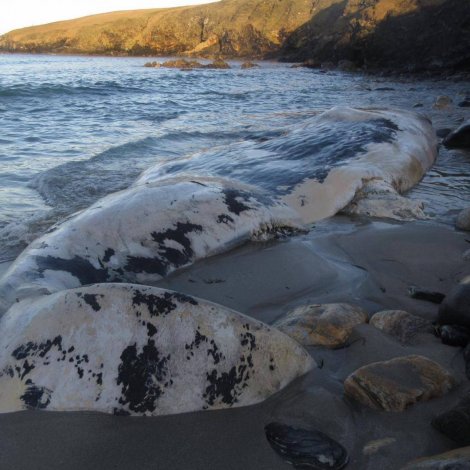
(370, 264)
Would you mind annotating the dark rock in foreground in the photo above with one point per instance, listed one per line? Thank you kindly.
(460, 138)
(305, 448)
(455, 423)
(455, 310)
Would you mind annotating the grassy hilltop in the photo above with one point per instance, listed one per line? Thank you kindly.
(399, 33)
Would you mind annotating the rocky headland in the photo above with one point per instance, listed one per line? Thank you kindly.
(348, 34)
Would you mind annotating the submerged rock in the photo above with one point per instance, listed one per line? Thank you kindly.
(457, 459)
(306, 448)
(455, 309)
(460, 138)
(455, 423)
(463, 220)
(455, 335)
(128, 349)
(399, 383)
(329, 325)
(400, 324)
(249, 65)
(443, 102)
(144, 233)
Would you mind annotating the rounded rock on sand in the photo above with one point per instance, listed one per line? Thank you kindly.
(400, 324)
(328, 325)
(396, 384)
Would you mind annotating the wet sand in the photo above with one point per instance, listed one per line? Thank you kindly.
(371, 264)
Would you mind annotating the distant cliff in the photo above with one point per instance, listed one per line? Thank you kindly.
(410, 34)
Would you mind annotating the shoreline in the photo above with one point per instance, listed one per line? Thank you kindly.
(371, 263)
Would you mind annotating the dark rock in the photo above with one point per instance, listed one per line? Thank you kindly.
(423, 294)
(455, 310)
(455, 423)
(305, 448)
(460, 138)
(455, 335)
(466, 358)
(444, 132)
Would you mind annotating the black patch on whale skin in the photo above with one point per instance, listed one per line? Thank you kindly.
(235, 200)
(160, 304)
(174, 256)
(37, 398)
(108, 254)
(91, 300)
(32, 349)
(140, 264)
(143, 377)
(224, 219)
(226, 386)
(78, 267)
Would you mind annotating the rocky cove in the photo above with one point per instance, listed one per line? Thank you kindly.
(252, 229)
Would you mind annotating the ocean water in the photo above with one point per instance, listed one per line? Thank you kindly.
(74, 129)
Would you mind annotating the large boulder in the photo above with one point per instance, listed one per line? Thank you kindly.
(400, 324)
(396, 384)
(455, 309)
(457, 459)
(460, 138)
(128, 349)
(328, 325)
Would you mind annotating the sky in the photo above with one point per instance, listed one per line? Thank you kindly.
(21, 13)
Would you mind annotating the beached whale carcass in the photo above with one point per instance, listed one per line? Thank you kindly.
(128, 349)
(144, 233)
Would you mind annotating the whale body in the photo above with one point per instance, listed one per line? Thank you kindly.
(129, 349)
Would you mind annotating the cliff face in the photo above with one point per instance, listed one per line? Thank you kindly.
(413, 34)
(232, 28)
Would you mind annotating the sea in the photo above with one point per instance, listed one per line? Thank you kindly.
(76, 128)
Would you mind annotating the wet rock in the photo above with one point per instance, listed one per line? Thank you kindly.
(444, 132)
(443, 102)
(217, 64)
(399, 383)
(249, 65)
(373, 447)
(455, 335)
(455, 423)
(460, 138)
(463, 220)
(328, 325)
(132, 349)
(306, 448)
(455, 309)
(423, 294)
(400, 324)
(457, 459)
